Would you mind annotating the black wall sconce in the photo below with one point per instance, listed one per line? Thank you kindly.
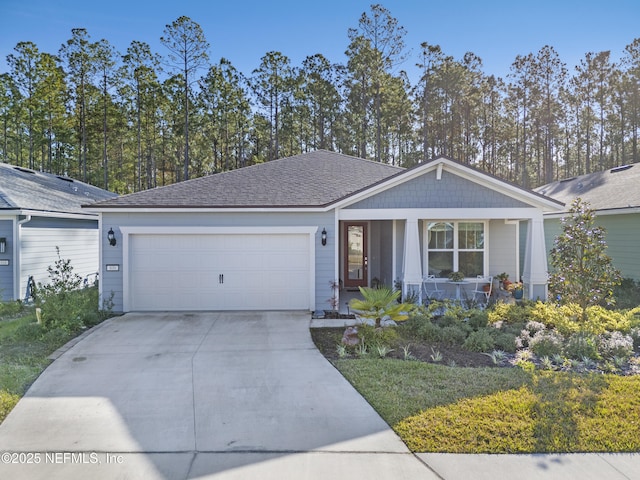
(3, 245)
(111, 237)
(323, 237)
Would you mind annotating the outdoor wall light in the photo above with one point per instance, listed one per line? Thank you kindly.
(323, 237)
(111, 237)
(3, 245)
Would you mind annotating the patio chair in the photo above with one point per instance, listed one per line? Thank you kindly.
(430, 288)
(484, 286)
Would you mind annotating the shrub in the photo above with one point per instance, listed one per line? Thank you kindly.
(9, 309)
(627, 294)
(479, 341)
(581, 345)
(454, 335)
(478, 319)
(546, 343)
(430, 332)
(7, 402)
(503, 341)
(377, 337)
(615, 344)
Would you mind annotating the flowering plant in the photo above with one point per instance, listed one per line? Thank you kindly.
(515, 287)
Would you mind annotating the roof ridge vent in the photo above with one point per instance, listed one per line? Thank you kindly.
(24, 170)
(66, 179)
(567, 179)
(621, 168)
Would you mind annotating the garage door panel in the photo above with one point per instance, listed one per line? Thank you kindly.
(183, 271)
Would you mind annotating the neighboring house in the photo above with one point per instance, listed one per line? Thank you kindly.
(39, 212)
(615, 196)
(276, 235)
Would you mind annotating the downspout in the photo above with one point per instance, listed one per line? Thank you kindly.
(17, 256)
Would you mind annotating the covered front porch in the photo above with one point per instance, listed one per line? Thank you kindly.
(400, 248)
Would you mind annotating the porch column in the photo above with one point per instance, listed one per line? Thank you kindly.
(535, 271)
(411, 264)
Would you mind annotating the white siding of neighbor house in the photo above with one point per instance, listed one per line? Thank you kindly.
(6, 271)
(112, 281)
(38, 252)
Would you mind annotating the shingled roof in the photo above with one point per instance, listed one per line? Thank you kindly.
(616, 188)
(312, 179)
(25, 189)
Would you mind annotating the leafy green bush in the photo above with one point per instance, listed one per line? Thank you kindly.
(479, 341)
(7, 402)
(454, 335)
(374, 337)
(546, 343)
(9, 309)
(503, 340)
(615, 344)
(627, 294)
(430, 332)
(64, 304)
(582, 345)
(478, 319)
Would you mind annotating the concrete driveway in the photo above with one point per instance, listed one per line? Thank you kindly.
(203, 395)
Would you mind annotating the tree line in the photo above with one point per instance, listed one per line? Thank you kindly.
(136, 120)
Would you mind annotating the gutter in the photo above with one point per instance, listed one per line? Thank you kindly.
(16, 255)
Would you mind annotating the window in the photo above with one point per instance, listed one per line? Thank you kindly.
(455, 246)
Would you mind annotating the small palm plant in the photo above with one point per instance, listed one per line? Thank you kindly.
(378, 303)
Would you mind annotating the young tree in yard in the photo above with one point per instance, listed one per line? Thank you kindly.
(583, 272)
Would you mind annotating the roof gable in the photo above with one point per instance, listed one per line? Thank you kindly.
(616, 188)
(446, 183)
(25, 189)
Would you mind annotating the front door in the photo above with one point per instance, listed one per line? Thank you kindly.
(355, 255)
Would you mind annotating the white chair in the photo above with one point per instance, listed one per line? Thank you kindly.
(482, 288)
(430, 288)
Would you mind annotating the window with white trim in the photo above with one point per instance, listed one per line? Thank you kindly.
(453, 246)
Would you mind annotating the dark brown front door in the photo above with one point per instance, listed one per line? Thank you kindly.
(356, 259)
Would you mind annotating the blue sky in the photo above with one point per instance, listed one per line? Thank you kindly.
(243, 31)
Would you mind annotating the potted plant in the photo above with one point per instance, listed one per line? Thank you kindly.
(504, 279)
(517, 290)
(456, 276)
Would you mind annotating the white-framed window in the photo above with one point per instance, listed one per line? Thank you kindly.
(455, 246)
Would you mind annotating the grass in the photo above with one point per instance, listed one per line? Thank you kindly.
(435, 408)
(25, 347)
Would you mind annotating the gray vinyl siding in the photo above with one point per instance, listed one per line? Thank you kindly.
(6, 271)
(451, 191)
(112, 282)
(38, 251)
(502, 249)
(622, 236)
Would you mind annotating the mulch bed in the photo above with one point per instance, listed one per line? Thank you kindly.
(327, 340)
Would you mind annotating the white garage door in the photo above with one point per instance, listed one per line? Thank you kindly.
(219, 272)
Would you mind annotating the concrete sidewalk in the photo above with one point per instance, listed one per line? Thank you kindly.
(228, 396)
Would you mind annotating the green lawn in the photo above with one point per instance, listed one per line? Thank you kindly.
(24, 348)
(435, 408)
